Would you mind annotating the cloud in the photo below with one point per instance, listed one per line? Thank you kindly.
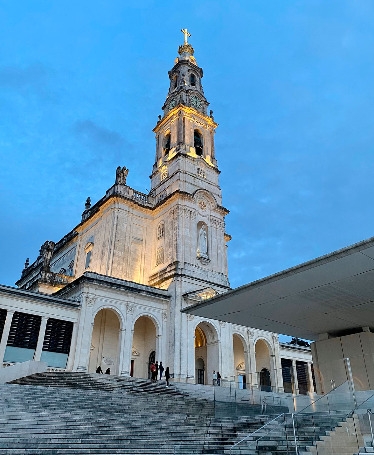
(94, 134)
(21, 78)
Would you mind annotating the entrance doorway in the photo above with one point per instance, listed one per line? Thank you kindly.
(151, 359)
(242, 382)
(263, 365)
(239, 360)
(105, 342)
(265, 381)
(206, 352)
(143, 346)
(200, 371)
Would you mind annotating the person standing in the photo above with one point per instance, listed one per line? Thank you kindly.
(218, 378)
(214, 377)
(156, 375)
(161, 370)
(167, 376)
(153, 372)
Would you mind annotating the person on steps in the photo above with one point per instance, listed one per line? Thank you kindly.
(107, 371)
(161, 370)
(167, 376)
(99, 370)
(153, 372)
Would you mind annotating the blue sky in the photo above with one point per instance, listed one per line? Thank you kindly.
(291, 86)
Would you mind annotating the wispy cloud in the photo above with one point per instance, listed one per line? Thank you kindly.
(20, 78)
(96, 135)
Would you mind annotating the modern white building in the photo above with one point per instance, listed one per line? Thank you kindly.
(110, 293)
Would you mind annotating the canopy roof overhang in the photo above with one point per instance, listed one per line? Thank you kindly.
(332, 294)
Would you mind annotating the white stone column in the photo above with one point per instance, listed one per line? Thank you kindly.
(39, 346)
(295, 381)
(310, 378)
(252, 379)
(4, 337)
(277, 365)
(126, 335)
(126, 338)
(191, 350)
(226, 365)
(73, 344)
(184, 356)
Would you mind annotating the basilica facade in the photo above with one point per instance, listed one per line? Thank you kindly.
(110, 293)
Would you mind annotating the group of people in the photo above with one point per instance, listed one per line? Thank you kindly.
(216, 378)
(99, 370)
(156, 369)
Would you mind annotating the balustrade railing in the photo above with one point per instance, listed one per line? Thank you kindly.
(309, 423)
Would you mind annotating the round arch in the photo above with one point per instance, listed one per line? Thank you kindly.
(263, 364)
(240, 360)
(104, 351)
(144, 345)
(206, 352)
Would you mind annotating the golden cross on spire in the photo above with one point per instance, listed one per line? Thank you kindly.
(186, 35)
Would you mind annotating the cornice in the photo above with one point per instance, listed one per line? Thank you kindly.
(189, 112)
(45, 298)
(90, 278)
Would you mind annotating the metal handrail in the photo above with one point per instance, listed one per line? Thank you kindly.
(256, 431)
(294, 433)
(293, 417)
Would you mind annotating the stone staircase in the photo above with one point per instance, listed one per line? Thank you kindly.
(78, 413)
(278, 436)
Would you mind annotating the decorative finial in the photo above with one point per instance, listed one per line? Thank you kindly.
(186, 35)
(159, 118)
(87, 205)
(27, 263)
(185, 50)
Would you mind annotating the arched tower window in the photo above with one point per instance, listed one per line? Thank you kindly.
(167, 140)
(175, 82)
(193, 80)
(198, 142)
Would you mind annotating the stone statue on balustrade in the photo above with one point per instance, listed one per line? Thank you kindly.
(121, 175)
(46, 252)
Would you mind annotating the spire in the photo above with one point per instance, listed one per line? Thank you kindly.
(185, 50)
(185, 80)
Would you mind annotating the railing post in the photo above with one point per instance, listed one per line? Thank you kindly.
(371, 427)
(294, 433)
(350, 380)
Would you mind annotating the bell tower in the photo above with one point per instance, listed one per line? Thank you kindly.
(190, 240)
(185, 131)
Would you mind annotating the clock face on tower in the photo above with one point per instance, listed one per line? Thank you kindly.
(195, 102)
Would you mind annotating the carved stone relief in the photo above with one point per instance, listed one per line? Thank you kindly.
(90, 300)
(129, 308)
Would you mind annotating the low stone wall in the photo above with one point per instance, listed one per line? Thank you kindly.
(20, 370)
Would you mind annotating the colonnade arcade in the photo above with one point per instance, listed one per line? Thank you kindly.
(105, 348)
(239, 356)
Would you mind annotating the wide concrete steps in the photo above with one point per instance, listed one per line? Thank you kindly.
(67, 413)
(278, 437)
